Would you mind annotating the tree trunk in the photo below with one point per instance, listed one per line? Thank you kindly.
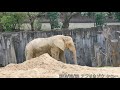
(32, 26)
(1, 28)
(66, 24)
(68, 16)
(52, 25)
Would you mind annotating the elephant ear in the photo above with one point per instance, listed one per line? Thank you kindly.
(60, 44)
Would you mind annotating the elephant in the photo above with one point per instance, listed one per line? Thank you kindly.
(54, 46)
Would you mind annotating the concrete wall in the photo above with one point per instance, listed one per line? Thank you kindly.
(12, 44)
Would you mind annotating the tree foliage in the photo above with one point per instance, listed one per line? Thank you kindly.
(20, 17)
(117, 15)
(67, 17)
(34, 19)
(8, 23)
(100, 19)
(54, 18)
(37, 24)
(11, 20)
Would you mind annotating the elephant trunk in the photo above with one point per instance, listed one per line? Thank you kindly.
(74, 57)
(73, 50)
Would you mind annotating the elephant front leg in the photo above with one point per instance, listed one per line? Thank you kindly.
(55, 53)
(62, 57)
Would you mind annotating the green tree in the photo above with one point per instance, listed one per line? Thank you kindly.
(100, 19)
(8, 23)
(54, 18)
(11, 20)
(37, 24)
(111, 15)
(117, 15)
(20, 18)
(32, 16)
(67, 17)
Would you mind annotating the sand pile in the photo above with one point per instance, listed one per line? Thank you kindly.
(45, 66)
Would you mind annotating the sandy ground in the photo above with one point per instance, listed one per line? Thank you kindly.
(45, 66)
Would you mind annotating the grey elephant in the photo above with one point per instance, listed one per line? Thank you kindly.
(54, 46)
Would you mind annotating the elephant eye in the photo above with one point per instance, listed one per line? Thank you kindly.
(69, 44)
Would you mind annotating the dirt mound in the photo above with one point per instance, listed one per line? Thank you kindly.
(45, 66)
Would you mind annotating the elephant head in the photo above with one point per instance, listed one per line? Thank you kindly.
(66, 42)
